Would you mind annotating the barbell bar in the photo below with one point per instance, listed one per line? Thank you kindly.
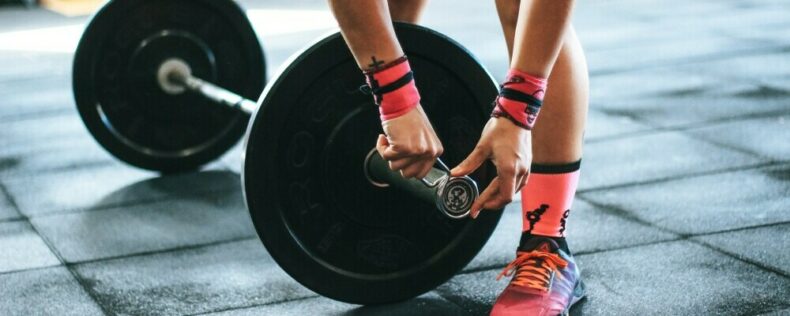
(453, 196)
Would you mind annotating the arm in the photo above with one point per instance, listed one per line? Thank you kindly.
(539, 32)
(367, 28)
(409, 142)
(507, 138)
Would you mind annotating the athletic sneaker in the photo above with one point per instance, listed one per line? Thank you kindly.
(545, 281)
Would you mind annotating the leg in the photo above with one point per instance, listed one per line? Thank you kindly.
(407, 10)
(506, 140)
(565, 105)
(557, 144)
(508, 17)
(551, 186)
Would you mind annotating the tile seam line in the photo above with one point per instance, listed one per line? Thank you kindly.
(746, 167)
(686, 61)
(691, 237)
(743, 259)
(139, 254)
(31, 269)
(71, 267)
(35, 115)
(161, 251)
(58, 170)
(20, 218)
(652, 129)
(688, 129)
(737, 229)
(681, 235)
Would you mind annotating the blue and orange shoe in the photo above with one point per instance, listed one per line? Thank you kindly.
(545, 281)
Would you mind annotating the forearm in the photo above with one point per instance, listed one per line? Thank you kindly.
(367, 28)
(539, 35)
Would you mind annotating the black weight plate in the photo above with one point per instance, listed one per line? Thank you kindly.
(312, 206)
(120, 101)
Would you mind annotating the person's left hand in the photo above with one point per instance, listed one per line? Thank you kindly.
(510, 149)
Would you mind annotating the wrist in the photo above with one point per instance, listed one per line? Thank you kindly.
(506, 124)
(520, 98)
(393, 88)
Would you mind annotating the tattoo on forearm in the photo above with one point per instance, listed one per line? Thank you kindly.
(375, 64)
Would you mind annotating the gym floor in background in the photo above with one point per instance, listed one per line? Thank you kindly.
(683, 208)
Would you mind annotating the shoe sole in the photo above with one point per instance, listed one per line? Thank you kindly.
(578, 294)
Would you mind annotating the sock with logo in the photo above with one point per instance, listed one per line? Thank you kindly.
(546, 201)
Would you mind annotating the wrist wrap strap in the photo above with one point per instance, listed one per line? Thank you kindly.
(393, 89)
(520, 98)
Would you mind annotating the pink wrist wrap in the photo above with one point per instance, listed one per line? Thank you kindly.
(520, 98)
(393, 88)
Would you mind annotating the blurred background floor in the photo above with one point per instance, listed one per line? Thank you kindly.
(684, 205)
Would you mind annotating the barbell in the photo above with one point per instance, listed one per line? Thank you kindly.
(167, 85)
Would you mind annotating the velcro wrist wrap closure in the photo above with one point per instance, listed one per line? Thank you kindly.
(393, 89)
(520, 98)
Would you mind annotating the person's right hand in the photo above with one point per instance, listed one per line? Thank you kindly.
(509, 147)
(410, 144)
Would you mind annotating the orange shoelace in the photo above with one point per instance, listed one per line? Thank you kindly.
(534, 269)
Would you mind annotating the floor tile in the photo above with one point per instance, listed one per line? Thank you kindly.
(707, 203)
(51, 155)
(7, 210)
(22, 248)
(32, 103)
(624, 88)
(602, 125)
(692, 108)
(767, 136)
(660, 53)
(25, 132)
(220, 277)
(50, 291)
(677, 278)
(674, 278)
(762, 67)
(765, 245)
(108, 186)
(187, 221)
(654, 156)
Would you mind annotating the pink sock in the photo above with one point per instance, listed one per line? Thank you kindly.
(547, 198)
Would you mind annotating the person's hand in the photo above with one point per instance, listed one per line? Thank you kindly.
(510, 149)
(410, 144)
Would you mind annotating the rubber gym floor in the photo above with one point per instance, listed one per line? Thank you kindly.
(683, 207)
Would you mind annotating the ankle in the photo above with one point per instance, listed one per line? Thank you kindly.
(561, 242)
